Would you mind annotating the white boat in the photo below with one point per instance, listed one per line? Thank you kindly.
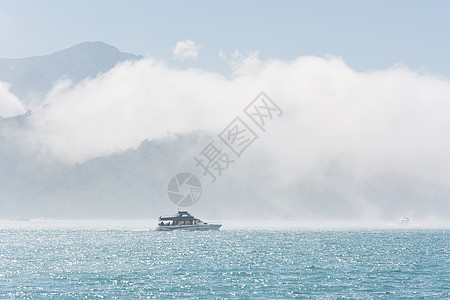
(184, 221)
(405, 220)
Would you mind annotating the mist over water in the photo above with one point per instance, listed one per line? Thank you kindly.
(227, 225)
(350, 145)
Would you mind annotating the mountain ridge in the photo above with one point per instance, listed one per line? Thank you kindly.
(32, 77)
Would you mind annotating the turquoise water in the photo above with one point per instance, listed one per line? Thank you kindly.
(125, 263)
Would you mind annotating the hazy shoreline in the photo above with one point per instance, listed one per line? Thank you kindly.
(150, 224)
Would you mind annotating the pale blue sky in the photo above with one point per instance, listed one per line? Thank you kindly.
(368, 35)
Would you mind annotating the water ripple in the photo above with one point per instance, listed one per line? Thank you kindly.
(55, 263)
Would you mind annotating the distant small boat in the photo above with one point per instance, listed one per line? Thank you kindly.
(405, 220)
(184, 221)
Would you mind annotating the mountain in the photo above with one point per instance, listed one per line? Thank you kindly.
(129, 184)
(133, 184)
(33, 77)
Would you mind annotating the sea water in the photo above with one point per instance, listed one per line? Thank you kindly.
(97, 262)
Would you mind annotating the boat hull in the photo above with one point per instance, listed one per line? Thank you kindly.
(202, 227)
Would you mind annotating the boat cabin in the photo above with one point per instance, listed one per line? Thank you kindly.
(181, 218)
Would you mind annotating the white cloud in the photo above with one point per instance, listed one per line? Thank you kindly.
(10, 105)
(242, 64)
(186, 49)
(342, 130)
(330, 106)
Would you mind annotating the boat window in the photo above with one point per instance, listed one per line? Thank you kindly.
(181, 222)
